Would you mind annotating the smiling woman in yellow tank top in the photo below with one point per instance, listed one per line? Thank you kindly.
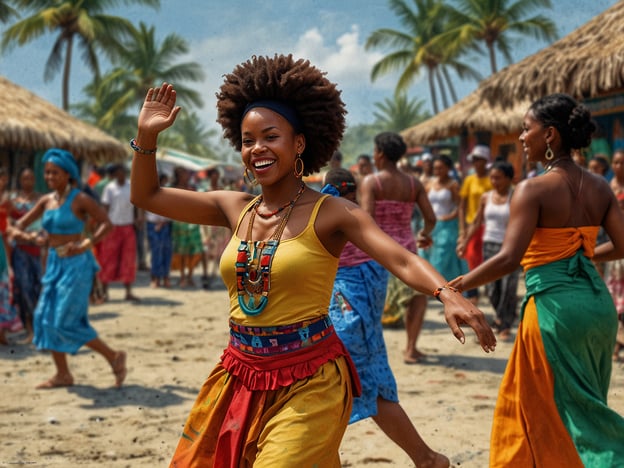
(281, 394)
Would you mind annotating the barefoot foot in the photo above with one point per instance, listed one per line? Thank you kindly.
(132, 298)
(56, 382)
(119, 368)
(413, 357)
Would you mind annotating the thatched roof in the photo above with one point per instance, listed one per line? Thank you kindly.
(30, 123)
(472, 113)
(586, 63)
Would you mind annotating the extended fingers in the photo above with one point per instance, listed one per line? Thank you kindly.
(456, 329)
(164, 94)
(484, 332)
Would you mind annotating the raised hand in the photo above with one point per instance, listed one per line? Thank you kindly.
(159, 110)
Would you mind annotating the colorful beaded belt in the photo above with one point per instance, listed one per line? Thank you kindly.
(275, 340)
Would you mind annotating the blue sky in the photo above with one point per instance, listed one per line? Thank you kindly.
(331, 33)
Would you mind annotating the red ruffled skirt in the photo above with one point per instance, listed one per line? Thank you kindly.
(277, 410)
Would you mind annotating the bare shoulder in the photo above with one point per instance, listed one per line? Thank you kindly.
(334, 211)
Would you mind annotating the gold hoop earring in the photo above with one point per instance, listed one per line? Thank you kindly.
(549, 152)
(299, 170)
(253, 182)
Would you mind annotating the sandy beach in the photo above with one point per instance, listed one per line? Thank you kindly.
(173, 339)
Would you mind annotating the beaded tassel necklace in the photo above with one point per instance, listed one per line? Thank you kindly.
(253, 269)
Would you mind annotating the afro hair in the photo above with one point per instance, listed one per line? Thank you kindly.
(294, 82)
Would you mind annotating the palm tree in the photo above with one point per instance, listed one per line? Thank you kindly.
(81, 20)
(399, 113)
(414, 49)
(493, 21)
(190, 135)
(6, 12)
(141, 63)
(121, 125)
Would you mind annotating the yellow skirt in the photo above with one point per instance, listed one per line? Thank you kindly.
(298, 425)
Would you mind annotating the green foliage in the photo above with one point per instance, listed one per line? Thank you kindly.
(358, 139)
(399, 113)
(413, 50)
(494, 23)
(7, 12)
(190, 136)
(83, 23)
(140, 63)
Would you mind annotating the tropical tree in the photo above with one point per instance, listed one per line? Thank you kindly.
(189, 134)
(494, 22)
(83, 21)
(357, 140)
(414, 50)
(6, 12)
(399, 113)
(121, 125)
(139, 63)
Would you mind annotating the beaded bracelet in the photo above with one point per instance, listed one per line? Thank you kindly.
(437, 291)
(140, 150)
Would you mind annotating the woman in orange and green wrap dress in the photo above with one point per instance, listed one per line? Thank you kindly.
(282, 392)
(552, 404)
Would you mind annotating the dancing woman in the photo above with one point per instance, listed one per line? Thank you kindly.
(552, 404)
(281, 394)
(61, 324)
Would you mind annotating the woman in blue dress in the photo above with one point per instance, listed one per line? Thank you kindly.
(61, 324)
(356, 307)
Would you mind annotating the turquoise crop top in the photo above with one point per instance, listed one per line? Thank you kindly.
(62, 220)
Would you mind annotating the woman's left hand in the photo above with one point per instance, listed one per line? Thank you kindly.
(423, 240)
(460, 311)
(159, 110)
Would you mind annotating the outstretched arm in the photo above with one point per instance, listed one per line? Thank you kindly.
(359, 228)
(523, 217)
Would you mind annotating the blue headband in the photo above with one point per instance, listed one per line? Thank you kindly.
(285, 110)
(64, 160)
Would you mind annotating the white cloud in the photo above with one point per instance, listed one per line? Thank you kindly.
(346, 61)
(344, 58)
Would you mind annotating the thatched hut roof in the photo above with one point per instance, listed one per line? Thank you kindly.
(473, 113)
(30, 123)
(586, 63)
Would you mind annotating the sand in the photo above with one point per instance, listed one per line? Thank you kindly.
(173, 339)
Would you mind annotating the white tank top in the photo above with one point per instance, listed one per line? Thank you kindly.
(496, 219)
(441, 201)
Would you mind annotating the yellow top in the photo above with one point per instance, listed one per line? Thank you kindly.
(472, 189)
(302, 278)
(552, 244)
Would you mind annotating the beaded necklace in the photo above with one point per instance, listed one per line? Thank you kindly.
(278, 210)
(253, 268)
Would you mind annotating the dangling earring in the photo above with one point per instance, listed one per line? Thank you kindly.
(246, 176)
(549, 152)
(301, 167)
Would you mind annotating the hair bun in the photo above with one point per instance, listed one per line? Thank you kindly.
(581, 127)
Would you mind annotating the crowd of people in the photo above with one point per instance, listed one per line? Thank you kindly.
(313, 276)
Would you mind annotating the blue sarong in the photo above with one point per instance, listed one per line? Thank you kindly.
(60, 322)
(356, 307)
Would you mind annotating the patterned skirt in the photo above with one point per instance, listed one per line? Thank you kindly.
(356, 307)
(280, 397)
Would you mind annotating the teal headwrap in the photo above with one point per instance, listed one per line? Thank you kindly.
(63, 159)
